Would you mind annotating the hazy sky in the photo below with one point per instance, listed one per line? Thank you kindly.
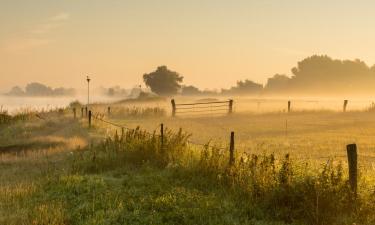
(212, 43)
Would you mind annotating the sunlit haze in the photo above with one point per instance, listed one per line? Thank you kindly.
(59, 42)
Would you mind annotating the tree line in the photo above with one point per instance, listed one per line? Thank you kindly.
(318, 74)
(38, 89)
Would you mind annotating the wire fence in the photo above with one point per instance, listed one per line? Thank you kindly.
(351, 156)
(217, 107)
(100, 117)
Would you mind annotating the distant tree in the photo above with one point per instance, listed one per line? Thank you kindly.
(16, 91)
(163, 81)
(111, 92)
(63, 91)
(38, 89)
(135, 92)
(190, 90)
(322, 74)
(277, 83)
(244, 87)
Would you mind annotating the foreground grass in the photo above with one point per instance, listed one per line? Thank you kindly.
(131, 179)
(142, 195)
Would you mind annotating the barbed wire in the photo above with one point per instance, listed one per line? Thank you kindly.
(154, 134)
(203, 107)
(208, 145)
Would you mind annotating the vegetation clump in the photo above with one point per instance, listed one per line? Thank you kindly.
(262, 186)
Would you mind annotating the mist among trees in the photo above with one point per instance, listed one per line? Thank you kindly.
(313, 75)
(38, 89)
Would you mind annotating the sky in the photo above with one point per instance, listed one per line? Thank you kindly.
(212, 43)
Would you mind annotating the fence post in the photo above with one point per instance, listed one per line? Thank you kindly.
(161, 136)
(74, 113)
(231, 149)
(352, 162)
(81, 112)
(173, 107)
(86, 111)
(230, 109)
(344, 106)
(89, 118)
(289, 105)
(109, 110)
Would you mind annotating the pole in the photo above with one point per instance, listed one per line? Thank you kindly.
(230, 110)
(161, 136)
(90, 119)
(88, 90)
(173, 108)
(353, 171)
(344, 106)
(231, 149)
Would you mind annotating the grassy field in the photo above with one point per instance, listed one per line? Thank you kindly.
(307, 135)
(54, 170)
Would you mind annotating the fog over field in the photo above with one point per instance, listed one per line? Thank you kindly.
(195, 112)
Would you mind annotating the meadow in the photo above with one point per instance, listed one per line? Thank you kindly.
(290, 168)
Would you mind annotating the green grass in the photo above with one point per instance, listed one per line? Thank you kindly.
(308, 135)
(68, 174)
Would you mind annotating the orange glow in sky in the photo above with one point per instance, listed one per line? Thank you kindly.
(212, 43)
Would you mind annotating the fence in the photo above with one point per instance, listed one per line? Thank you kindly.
(345, 104)
(351, 155)
(202, 107)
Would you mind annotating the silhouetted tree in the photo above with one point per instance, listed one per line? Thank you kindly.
(16, 91)
(190, 90)
(38, 89)
(322, 74)
(277, 83)
(63, 91)
(244, 87)
(163, 81)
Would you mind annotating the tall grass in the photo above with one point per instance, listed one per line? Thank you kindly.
(6, 118)
(134, 112)
(265, 187)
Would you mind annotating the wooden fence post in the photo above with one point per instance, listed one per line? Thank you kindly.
(289, 105)
(161, 136)
(89, 118)
(81, 112)
(74, 113)
(344, 106)
(230, 109)
(86, 111)
(109, 110)
(231, 149)
(352, 162)
(173, 107)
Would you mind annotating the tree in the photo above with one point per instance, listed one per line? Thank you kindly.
(322, 74)
(278, 82)
(16, 91)
(190, 90)
(244, 87)
(163, 81)
(38, 89)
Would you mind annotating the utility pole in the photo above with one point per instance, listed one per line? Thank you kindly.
(88, 90)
